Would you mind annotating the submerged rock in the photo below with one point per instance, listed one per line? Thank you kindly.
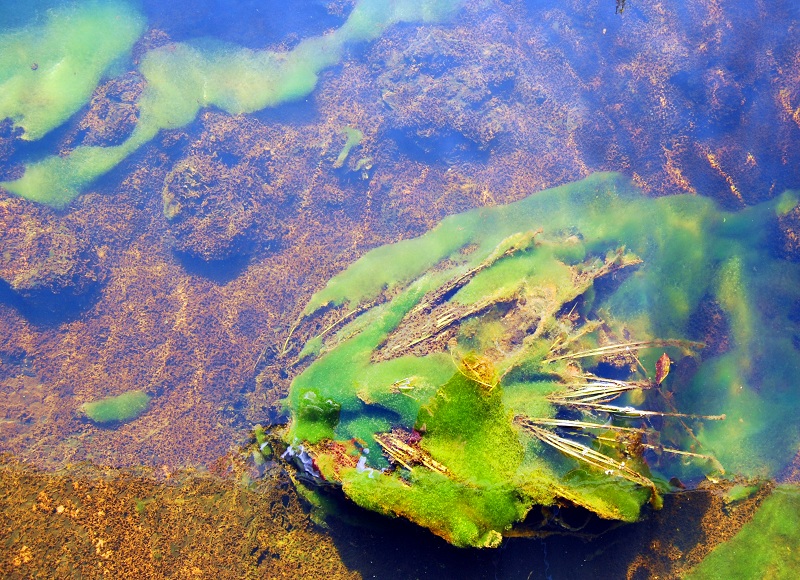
(445, 92)
(46, 260)
(209, 208)
(525, 359)
(113, 112)
(229, 194)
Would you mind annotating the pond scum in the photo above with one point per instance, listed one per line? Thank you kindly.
(548, 354)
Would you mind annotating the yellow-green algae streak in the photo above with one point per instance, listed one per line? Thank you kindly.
(49, 69)
(766, 547)
(692, 252)
(183, 78)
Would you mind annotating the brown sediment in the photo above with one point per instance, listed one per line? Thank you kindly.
(90, 522)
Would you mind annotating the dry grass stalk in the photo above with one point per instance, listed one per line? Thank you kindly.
(407, 455)
(586, 455)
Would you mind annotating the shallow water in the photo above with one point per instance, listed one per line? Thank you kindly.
(178, 182)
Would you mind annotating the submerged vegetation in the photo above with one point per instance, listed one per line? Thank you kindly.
(49, 69)
(181, 79)
(118, 409)
(547, 353)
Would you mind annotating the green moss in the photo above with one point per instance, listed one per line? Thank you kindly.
(49, 68)
(766, 547)
(317, 416)
(468, 428)
(141, 505)
(124, 407)
(465, 516)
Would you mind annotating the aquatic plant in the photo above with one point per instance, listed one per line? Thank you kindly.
(117, 409)
(548, 353)
(183, 78)
(354, 137)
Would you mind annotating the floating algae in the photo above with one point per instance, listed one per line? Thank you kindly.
(183, 78)
(518, 356)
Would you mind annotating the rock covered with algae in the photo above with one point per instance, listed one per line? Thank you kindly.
(47, 262)
(516, 360)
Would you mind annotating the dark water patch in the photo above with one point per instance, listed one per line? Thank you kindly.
(379, 547)
(17, 14)
(27, 152)
(252, 23)
(45, 309)
(302, 111)
(445, 147)
(218, 271)
(228, 159)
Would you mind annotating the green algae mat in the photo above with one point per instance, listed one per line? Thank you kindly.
(766, 547)
(586, 347)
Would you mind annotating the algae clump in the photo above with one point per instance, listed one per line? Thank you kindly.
(518, 356)
(354, 137)
(117, 409)
(49, 68)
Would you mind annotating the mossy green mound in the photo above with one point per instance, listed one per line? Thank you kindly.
(118, 409)
(766, 547)
(520, 355)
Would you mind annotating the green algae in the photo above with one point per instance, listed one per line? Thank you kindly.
(466, 364)
(183, 78)
(118, 409)
(49, 68)
(353, 138)
(766, 547)
(740, 492)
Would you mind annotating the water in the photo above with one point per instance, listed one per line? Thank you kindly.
(179, 181)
